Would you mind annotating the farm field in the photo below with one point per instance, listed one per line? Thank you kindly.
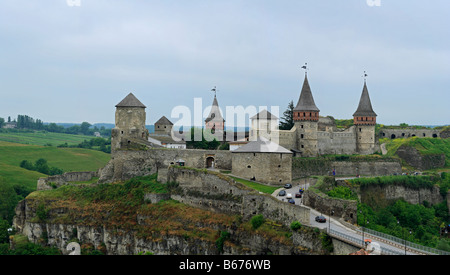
(42, 138)
(67, 159)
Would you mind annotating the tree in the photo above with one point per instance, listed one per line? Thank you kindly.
(84, 128)
(42, 167)
(287, 121)
(2, 122)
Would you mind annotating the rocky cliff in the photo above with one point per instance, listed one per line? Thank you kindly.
(420, 161)
(138, 216)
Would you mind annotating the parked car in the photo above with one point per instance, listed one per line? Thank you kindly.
(291, 201)
(298, 195)
(289, 196)
(282, 193)
(288, 185)
(321, 219)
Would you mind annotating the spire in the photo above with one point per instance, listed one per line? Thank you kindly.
(306, 100)
(214, 114)
(130, 101)
(365, 106)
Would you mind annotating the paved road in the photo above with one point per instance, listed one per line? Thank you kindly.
(335, 225)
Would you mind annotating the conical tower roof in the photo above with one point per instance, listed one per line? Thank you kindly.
(164, 121)
(214, 114)
(130, 101)
(365, 106)
(306, 100)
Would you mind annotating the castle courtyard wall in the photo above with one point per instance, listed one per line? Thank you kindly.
(126, 164)
(216, 192)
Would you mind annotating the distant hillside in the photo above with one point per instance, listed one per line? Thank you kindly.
(425, 146)
(42, 138)
(17, 182)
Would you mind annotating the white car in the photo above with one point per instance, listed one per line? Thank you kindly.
(289, 196)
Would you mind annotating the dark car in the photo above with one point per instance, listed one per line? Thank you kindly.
(320, 219)
(288, 185)
(298, 195)
(291, 201)
(282, 193)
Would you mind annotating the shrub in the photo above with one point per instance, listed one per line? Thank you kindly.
(41, 212)
(224, 235)
(257, 221)
(296, 225)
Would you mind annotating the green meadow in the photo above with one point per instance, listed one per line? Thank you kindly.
(67, 159)
(42, 138)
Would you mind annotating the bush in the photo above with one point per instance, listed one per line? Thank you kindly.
(257, 221)
(342, 192)
(224, 235)
(296, 225)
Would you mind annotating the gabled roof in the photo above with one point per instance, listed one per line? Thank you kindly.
(214, 114)
(130, 101)
(164, 121)
(262, 145)
(306, 100)
(264, 114)
(365, 106)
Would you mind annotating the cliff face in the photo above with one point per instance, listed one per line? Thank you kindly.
(167, 227)
(423, 162)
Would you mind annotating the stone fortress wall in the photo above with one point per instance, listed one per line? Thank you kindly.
(408, 132)
(68, 178)
(216, 192)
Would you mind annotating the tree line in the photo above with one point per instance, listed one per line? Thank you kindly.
(41, 166)
(27, 122)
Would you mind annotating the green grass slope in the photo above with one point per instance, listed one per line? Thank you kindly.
(42, 138)
(68, 159)
(425, 146)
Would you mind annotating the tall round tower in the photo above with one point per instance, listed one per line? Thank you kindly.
(130, 122)
(306, 118)
(365, 120)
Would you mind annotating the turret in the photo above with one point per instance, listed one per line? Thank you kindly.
(130, 122)
(365, 120)
(215, 121)
(306, 117)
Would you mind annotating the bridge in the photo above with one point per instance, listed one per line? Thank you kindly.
(383, 244)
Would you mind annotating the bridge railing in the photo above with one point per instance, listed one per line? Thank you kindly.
(358, 242)
(408, 244)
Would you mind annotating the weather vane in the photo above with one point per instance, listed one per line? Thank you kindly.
(214, 90)
(305, 67)
(365, 76)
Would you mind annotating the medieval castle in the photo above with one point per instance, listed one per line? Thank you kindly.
(311, 135)
(265, 153)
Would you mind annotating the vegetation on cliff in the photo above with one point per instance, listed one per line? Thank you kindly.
(425, 146)
(419, 223)
(123, 208)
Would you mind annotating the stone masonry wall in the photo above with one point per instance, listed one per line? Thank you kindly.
(323, 167)
(216, 192)
(64, 179)
(126, 164)
(270, 168)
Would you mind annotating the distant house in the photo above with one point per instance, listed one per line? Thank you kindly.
(10, 125)
(97, 134)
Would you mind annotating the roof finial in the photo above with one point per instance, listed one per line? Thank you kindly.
(214, 90)
(365, 76)
(305, 67)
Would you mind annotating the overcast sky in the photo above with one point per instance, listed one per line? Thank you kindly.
(69, 63)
